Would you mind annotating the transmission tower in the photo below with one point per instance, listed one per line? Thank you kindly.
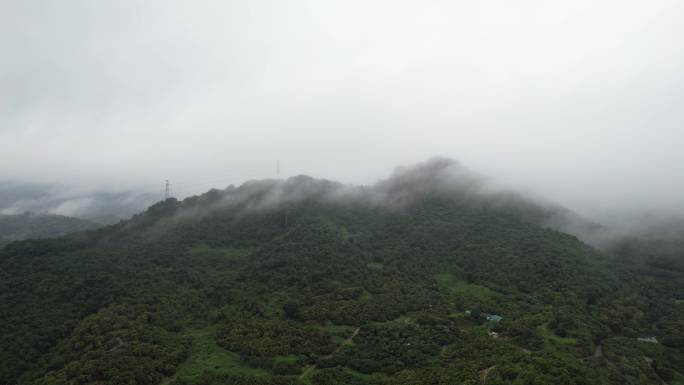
(167, 190)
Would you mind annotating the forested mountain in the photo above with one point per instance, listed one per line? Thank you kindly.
(428, 277)
(31, 225)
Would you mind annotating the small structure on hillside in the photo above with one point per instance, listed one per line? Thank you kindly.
(651, 339)
(493, 334)
(494, 317)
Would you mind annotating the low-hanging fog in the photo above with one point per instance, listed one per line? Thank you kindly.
(577, 102)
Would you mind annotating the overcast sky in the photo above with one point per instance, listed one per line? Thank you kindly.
(579, 101)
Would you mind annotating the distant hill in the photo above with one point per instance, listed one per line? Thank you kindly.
(30, 225)
(429, 277)
(96, 206)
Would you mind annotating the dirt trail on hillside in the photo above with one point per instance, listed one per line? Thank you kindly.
(485, 373)
(599, 350)
(344, 343)
(526, 351)
(119, 343)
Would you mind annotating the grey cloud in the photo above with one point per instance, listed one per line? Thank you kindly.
(18, 198)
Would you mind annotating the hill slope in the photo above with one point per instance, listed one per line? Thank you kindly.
(312, 282)
(29, 225)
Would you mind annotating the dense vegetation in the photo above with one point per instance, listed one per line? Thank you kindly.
(29, 225)
(251, 286)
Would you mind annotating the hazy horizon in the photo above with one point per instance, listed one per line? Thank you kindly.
(578, 103)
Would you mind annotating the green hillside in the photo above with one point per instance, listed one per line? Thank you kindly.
(30, 225)
(312, 282)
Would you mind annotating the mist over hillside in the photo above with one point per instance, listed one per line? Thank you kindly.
(407, 185)
(102, 207)
(33, 226)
